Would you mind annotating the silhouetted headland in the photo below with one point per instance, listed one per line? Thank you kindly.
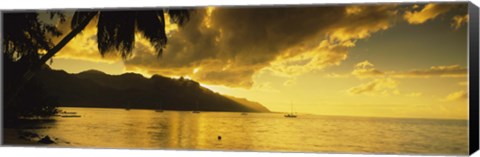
(133, 91)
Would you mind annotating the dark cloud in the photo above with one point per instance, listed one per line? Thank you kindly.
(229, 45)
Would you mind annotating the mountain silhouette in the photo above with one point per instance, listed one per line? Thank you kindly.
(94, 88)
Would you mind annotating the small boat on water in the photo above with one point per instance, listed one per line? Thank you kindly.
(197, 110)
(65, 114)
(71, 116)
(128, 106)
(244, 113)
(291, 114)
(160, 109)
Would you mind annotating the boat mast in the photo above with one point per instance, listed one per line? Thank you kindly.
(291, 107)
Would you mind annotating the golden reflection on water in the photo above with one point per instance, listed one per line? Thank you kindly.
(147, 129)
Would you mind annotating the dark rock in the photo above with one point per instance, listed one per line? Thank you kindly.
(46, 140)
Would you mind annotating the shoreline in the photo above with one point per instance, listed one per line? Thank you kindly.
(15, 137)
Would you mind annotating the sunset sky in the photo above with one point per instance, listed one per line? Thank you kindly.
(389, 60)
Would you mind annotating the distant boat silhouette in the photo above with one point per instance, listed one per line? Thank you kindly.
(65, 114)
(159, 110)
(244, 113)
(196, 111)
(128, 106)
(71, 116)
(291, 114)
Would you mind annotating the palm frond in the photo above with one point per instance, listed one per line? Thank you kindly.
(116, 31)
(79, 17)
(179, 16)
(58, 14)
(24, 35)
(152, 26)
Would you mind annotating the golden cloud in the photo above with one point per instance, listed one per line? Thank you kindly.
(458, 21)
(324, 55)
(366, 69)
(383, 86)
(442, 71)
(231, 45)
(457, 96)
(335, 75)
(228, 46)
(428, 12)
(361, 21)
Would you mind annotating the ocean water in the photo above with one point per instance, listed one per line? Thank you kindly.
(147, 129)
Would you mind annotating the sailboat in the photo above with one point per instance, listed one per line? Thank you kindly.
(128, 107)
(159, 110)
(291, 114)
(196, 111)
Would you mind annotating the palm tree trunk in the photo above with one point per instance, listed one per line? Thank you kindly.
(66, 39)
(31, 72)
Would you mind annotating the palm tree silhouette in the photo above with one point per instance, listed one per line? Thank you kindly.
(23, 37)
(115, 31)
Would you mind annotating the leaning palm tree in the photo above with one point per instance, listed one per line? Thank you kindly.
(115, 33)
(23, 37)
(116, 29)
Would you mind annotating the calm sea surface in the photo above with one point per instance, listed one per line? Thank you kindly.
(119, 128)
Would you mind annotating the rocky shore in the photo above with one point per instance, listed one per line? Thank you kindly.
(17, 137)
